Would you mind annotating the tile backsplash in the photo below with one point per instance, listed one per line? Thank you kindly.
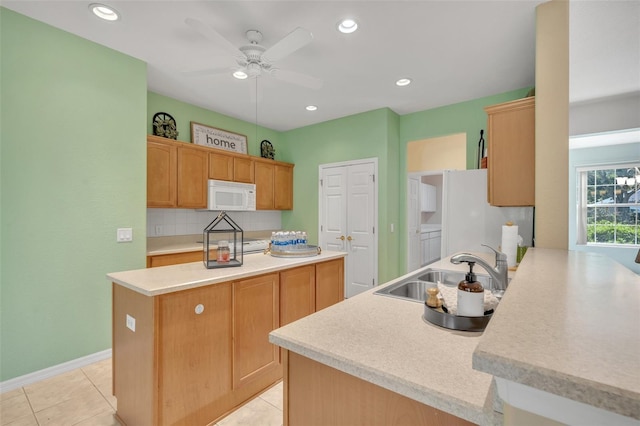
(168, 222)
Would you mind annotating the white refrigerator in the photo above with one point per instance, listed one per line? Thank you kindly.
(468, 221)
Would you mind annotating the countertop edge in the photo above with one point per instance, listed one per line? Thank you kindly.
(575, 384)
(120, 277)
(557, 383)
(480, 415)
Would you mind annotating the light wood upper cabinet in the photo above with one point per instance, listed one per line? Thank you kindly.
(511, 153)
(192, 178)
(274, 185)
(162, 169)
(220, 166)
(176, 174)
(230, 168)
(256, 312)
(243, 170)
(283, 190)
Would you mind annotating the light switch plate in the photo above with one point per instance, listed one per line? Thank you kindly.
(124, 235)
(131, 323)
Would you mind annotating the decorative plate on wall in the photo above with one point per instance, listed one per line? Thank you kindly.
(164, 125)
(266, 150)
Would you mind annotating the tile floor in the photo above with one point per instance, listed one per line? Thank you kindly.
(83, 397)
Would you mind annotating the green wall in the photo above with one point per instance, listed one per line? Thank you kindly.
(354, 137)
(464, 117)
(72, 163)
(185, 113)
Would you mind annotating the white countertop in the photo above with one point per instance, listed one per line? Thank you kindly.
(385, 341)
(569, 324)
(168, 279)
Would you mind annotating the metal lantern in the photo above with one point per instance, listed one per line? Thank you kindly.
(222, 243)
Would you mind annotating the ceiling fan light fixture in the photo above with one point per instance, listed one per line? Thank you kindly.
(311, 107)
(347, 26)
(240, 75)
(104, 12)
(403, 82)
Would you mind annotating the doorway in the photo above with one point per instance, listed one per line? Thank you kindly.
(348, 216)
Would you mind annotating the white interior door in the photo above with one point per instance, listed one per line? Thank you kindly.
(413, 224)
(348, 217)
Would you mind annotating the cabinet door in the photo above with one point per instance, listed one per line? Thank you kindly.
(297, 293)
(264, 176)
(220, 166)
(329, 283)
(161, 175)
(283, 189)
(243, 170)
(194, 354)
(424, 251)
(511, 150)
(255, 315)
(192, 178)
(434, 247)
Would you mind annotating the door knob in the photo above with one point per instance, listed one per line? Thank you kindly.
(350, 239)
(341, 237)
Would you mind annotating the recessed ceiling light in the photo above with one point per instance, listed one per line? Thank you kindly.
(347, 26)
(311, 108)
(240, 75)
(104, 12)
(403, 82)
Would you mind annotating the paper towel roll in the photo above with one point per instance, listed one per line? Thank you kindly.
(510, 243)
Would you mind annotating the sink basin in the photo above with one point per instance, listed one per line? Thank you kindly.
(414, 288)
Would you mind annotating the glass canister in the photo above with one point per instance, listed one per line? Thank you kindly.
(223, 251)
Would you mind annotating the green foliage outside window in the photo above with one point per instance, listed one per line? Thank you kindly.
(613, 206)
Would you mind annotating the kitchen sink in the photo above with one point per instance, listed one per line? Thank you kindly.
(414, 288)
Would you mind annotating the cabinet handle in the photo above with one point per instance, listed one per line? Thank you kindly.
(350, 239)
(341, 237)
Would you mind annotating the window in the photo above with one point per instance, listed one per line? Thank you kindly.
(609, 204)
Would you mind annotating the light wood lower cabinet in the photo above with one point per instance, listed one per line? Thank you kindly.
(255, 314)
(329, 283)
(195, 355)
(315, 394)
(297, 293)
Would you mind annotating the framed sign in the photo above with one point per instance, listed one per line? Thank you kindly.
(218, 138)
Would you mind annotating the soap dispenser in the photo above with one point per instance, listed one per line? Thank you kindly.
(470, 295)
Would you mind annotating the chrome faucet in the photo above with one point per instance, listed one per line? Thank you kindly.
(498, 272)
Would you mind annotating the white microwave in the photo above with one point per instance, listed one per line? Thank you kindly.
(231, 196)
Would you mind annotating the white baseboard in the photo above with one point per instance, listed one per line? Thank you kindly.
(36, 376)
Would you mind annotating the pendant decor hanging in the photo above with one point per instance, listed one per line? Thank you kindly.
(164, 125)
(266, 150)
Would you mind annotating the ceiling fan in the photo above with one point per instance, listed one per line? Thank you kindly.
(256, 60)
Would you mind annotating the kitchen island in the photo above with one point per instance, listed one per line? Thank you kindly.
(190, 344)
(418, 372)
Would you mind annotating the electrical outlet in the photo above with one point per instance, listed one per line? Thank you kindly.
(131, 323)
(158, 230)
(124, 235)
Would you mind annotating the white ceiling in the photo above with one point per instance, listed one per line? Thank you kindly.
(453, 50)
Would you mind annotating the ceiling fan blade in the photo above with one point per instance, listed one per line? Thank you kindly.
(293, 77)
(288, 44)
(215, 37)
